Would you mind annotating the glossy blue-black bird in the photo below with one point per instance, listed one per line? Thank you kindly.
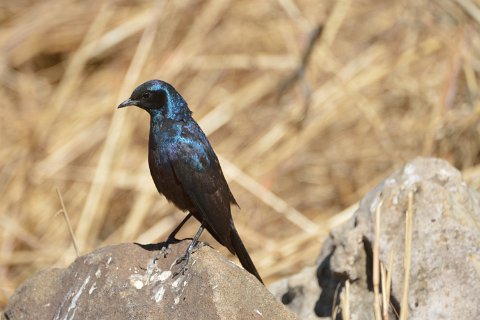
(186, 170)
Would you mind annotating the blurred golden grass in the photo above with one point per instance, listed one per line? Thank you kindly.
(389, 81)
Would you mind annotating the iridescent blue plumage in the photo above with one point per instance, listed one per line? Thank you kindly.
(184, 166)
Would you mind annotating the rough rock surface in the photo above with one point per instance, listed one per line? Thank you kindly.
(445, 259)
(126, 282)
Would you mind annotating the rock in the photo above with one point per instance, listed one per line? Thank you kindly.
(445, 259)
(126, 282)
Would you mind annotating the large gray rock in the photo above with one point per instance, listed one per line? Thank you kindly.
(126, 282)
(445, 259)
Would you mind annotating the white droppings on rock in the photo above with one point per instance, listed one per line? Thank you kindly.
(136, 280)
(176, 300)
(151, 274)
(92, 288)
(176, 282)
(164, 275)
(137, 284)
(109, 260)
(159, 294)
(152, 279)
(73, 303)
(98, 273)
(258, 312)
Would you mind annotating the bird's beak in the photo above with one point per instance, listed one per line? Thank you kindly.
(126, 103)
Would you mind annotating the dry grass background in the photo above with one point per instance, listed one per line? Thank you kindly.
(389, 80)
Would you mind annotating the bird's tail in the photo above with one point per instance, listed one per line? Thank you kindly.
(243, 255)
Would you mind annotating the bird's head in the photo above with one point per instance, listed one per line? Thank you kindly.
(158, 98)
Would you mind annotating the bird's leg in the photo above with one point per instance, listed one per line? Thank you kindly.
(186, 257)
(171, 238)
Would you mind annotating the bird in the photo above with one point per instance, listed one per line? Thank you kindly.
(186, 170)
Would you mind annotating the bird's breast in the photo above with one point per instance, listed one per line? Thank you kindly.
(165, 180)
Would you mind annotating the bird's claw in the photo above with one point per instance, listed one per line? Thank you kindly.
(181, 271)
(182, 260)
(164, 251)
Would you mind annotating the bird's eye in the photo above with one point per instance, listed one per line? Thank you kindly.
(146, 95)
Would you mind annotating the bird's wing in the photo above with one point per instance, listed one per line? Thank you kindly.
(197, 169)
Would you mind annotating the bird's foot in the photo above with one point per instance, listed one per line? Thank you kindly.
(184, 260)
(163, 252)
